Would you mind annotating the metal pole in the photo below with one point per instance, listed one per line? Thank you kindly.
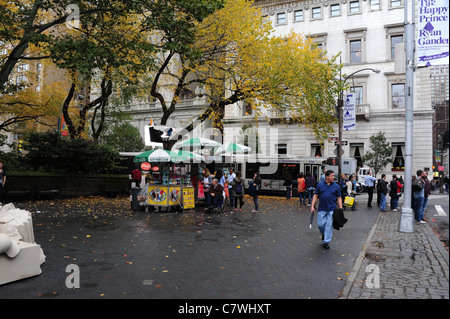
(406, 220)
(340, 105)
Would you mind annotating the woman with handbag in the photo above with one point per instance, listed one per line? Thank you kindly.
(351, 191)
(207, 181)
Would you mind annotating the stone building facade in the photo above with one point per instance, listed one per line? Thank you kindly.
(365, 33)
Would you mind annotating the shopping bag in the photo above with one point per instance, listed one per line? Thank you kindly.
(349, 201)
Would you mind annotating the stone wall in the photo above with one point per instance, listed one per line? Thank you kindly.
(23, 187)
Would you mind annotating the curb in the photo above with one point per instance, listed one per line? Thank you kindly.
(357, 266)
(444, 253)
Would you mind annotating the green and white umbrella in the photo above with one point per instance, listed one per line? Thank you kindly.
(189, 156)
(232, 148)
(161, 156)
(196, 142)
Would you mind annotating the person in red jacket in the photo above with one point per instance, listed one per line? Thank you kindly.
(395, 192)
(136, 176)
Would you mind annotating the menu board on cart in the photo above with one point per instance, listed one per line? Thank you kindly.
(188, 198)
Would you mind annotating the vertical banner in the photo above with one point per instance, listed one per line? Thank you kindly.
(349, 113)
(432, 32)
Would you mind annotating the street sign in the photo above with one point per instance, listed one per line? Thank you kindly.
(343, 143)
(333, 139)
(336, 151)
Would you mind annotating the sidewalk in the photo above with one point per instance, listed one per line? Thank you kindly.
(396, 265)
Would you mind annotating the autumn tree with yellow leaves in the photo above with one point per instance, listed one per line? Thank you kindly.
(26, 28)
(110, 40)
(235, 57)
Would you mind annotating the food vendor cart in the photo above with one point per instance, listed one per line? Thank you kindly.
(170, 184)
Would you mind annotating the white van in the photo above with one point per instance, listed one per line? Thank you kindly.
(362, 173)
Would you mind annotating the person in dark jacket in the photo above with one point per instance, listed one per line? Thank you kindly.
(382, 189)
(256, 189)
(288, 184)
(427, 188)
(238, 191)
(311, 183)
(395, 192)
(216, 192)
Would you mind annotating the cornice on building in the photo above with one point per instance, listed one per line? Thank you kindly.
(277, 4)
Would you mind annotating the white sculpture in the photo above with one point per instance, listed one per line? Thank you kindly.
(20, 256)
(8, 246)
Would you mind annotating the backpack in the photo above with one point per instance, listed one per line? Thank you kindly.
(238, 188)
(417, 185)
(252, 188)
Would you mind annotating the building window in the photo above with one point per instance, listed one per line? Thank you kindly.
(357, 152)
(395, 39)
(316, 150)
(398, 95)
(354, 7)
(396, 3)
(281, 18)
(358, 91)
(355, 51)
(320, 40)
(21, 79)
(281, 149)
(22, 68)
(248, 110)
(375, 5)
(317, 13)
(398, 149)
(298, 15)
(335, 10)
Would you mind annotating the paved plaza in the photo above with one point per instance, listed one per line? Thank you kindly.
(271, 254)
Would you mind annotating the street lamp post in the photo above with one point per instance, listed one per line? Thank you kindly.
(406, 219)
(340, 107)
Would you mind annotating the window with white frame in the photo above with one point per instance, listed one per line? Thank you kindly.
(298, 15)
(395, 3)
(22, 68)
(316, 13)
(395, 39)
(21, 79)
(354, 7)
(375, 5)
(357, 152)
(355, 40)
(398, 149)
(335, 10)
(281, 18)
(398, 95)
(320, 39)
(359, 94)
(316, 150)
(394, 35)
(355, 51)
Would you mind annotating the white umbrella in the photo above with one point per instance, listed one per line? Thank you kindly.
(196, 142)
(232, 148)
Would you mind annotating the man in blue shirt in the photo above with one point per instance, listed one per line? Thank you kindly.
(369, 182)
(328, 192)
